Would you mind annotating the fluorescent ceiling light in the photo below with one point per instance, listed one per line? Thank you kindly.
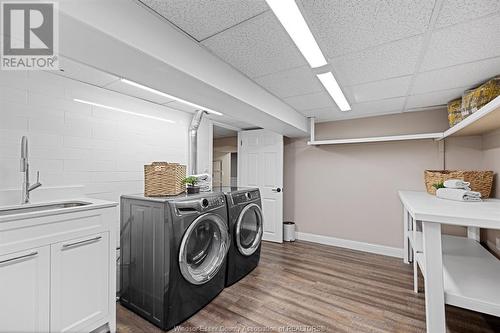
(334, 90)
(292, 20)
(154, 91)
(123, 111)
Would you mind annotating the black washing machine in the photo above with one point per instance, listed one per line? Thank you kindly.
(246, 227)
(173, 255)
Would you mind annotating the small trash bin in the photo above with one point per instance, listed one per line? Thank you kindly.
(289, 231)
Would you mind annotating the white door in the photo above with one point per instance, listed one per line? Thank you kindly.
(79, 284)
(260, 164)
(24, 291)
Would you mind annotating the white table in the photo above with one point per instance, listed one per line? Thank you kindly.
(463, 274)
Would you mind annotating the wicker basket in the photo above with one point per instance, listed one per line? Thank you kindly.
(475, 99)
(480, 181)
(454, 111)
(164, 179)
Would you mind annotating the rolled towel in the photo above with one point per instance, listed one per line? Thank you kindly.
(458, 194)
(202, 177)
(457, 183)
(204, 182)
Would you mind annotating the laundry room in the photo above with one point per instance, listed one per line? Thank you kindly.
(249, 166)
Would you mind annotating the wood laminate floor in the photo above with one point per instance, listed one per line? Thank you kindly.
(306, 287)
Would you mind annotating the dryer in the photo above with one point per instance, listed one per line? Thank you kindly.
(173, 253)
(246, 226)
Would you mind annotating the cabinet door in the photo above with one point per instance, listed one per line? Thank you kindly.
(24, 291)
(79, 282)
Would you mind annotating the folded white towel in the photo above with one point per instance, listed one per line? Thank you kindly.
(204, 182)
(458, 194)
(457, 183)
(202, 177)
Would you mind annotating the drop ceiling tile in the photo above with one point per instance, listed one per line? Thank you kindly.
(204, 18)
(291, 82)
(389, 88)
(348, 26)
(465, 75)
(311, 101)
(256, 47)
(360, 110)
(323, 114)
(433, 98)
(456, 11)
(129, 90)
(77, 71)
(463, 43)
(379, 107)
(379, 63)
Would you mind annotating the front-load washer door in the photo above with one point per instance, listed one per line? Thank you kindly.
(203, 248)
(249, 229)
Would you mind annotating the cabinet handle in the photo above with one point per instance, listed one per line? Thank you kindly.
(81, 242)
(32, 254)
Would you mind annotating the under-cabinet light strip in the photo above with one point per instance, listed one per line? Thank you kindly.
(122, 111)
(161, 93)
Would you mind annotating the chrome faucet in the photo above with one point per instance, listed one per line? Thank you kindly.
(25, 169)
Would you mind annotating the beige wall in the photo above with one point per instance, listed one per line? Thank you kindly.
(226, 145)
(350, 191)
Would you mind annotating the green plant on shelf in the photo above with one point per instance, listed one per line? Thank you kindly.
(190, 181)
(438, 185)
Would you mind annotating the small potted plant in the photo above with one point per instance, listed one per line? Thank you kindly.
(191, 182)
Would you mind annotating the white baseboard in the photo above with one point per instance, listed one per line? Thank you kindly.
(350, 244)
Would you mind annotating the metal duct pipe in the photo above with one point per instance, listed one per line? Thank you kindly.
(193, 142)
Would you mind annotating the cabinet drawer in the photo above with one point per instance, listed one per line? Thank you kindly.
(18, 235)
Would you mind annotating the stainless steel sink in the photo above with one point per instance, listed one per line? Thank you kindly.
(38, 208)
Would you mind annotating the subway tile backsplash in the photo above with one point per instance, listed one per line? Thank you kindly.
(77, 144)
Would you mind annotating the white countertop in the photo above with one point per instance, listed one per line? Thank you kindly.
(425, 207)
(93, 204)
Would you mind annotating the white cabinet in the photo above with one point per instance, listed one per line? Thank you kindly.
(57, 271)
(79, 282)
(24, 290)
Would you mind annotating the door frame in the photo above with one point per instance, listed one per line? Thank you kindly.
(211, 125)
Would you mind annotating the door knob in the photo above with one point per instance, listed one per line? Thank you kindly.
(277, 189)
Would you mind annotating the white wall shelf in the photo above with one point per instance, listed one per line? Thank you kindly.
(484, 120)
(405, 137)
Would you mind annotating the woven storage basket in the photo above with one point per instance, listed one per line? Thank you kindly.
(454, 112)
(480, 181)
(475, 99)
(164, 179)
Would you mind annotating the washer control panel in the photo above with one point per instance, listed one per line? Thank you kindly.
(212, 202)
(242, 197)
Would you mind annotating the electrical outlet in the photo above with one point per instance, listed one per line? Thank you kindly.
(498, 243)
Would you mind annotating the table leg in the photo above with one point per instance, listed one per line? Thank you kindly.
(474, 233)
(434, 286)
(406, 245)
(411, 250)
